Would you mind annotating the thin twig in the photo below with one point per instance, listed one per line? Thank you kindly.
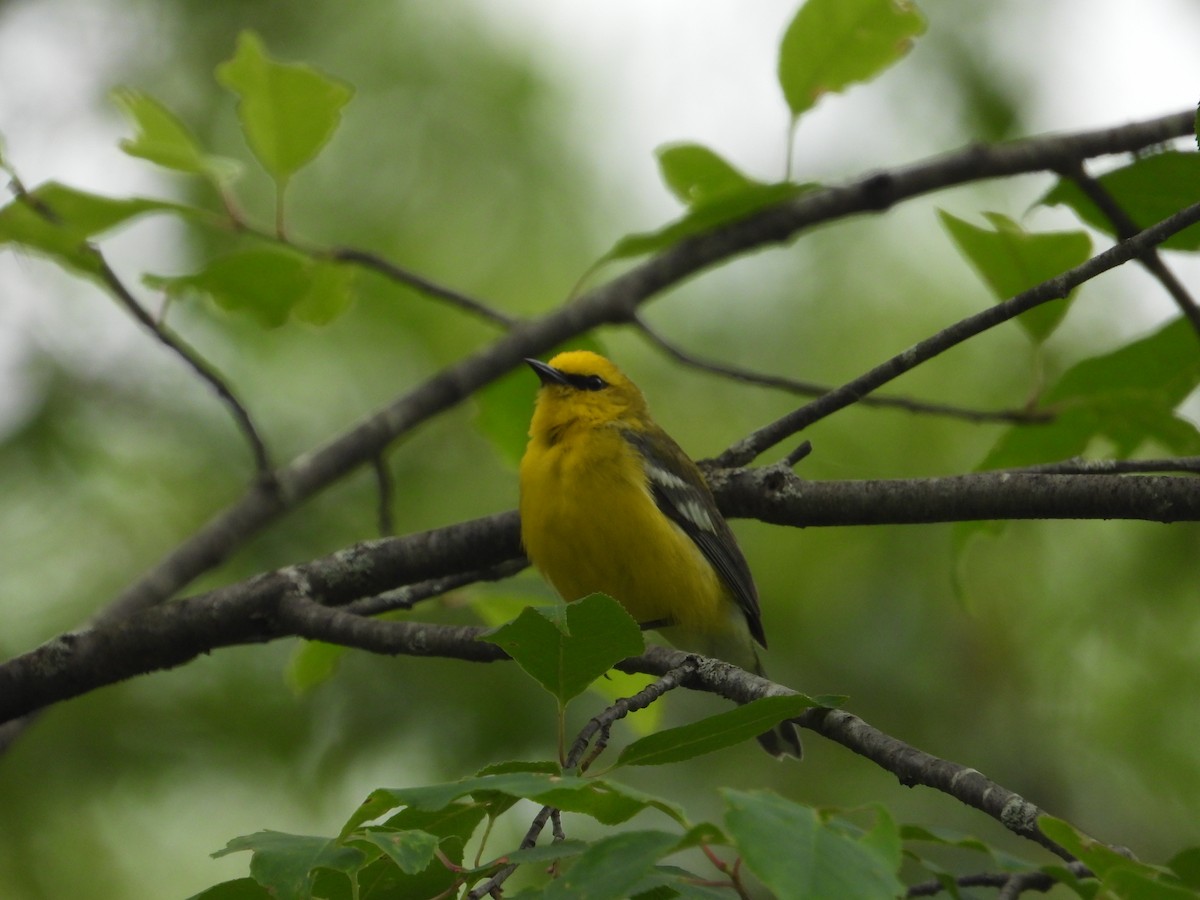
(202, 368)
(1081, 466)
(420, 283)
(813, 389)
(162, 334)
(1010, 881)
(410, 595)
(1053, 289)
(1125, 227)
(576, 759)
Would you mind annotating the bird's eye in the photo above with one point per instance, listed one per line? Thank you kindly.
(587, 382)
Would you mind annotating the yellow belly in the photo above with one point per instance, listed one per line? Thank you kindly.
(591, 527)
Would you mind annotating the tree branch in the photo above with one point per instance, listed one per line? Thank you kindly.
(417, 282)
(1054, 289)
(776, 495)
(811, 389)
(1126, 227)
(263, 608)
(176, 344)
(168, 635)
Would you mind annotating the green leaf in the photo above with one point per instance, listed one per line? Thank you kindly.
(162, 139)
(453, 826)
(329, 293)
(238, 889)
(1149, 189)
(1186, 865)
(1144, 883)
(1011, 260)
(714, 733)
(288, 111)
(1119, 875)
(269, 284)
(612, 866)
(567, 655)
(704, 218)
(831, 44)
(604, 801)
(1127, 396)
(284, 863)
(57, 221)
(498, 803)
(798, 856)
(1095, 855)
(697, 175)
(884, 838)
(410, 850)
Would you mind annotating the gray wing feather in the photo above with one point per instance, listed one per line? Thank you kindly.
(680, 492)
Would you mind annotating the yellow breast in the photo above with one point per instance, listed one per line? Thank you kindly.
(589, 523)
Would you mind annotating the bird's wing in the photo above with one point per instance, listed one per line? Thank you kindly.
(680, 492)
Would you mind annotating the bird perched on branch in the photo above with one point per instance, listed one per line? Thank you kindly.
(611, 504)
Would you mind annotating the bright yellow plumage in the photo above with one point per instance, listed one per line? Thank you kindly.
(610, 503)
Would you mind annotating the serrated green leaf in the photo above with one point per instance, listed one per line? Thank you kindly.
(1145, 884)
(284, 863)
(57, 221)
(162, 139)
(884, 837)
(411, 850)
(329, 293)
(1095, 855)
(604, 801)
(268, 283)
(799, 857)
(498, 803)
(1011, 260)
(238, 889)
(1149, 189)
(1120, 875)
(612, 866)
(944, 837)
(832, 44)
(564, 659)
(1128, 396)
(706, 217)
(288, 111)
(1186, 865)
(714, 733)
(697, 175)
(666, 882)
(454, 826)
(547, 852)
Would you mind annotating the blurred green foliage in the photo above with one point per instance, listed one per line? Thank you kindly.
(1064, 670)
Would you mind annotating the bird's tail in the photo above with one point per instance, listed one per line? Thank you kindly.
(784, 739)
(737, 646)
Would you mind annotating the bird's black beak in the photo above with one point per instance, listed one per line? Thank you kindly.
(546, 374)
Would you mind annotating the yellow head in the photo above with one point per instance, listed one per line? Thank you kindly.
(581, 388)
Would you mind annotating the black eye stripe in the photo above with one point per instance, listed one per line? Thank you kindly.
(586, 382)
